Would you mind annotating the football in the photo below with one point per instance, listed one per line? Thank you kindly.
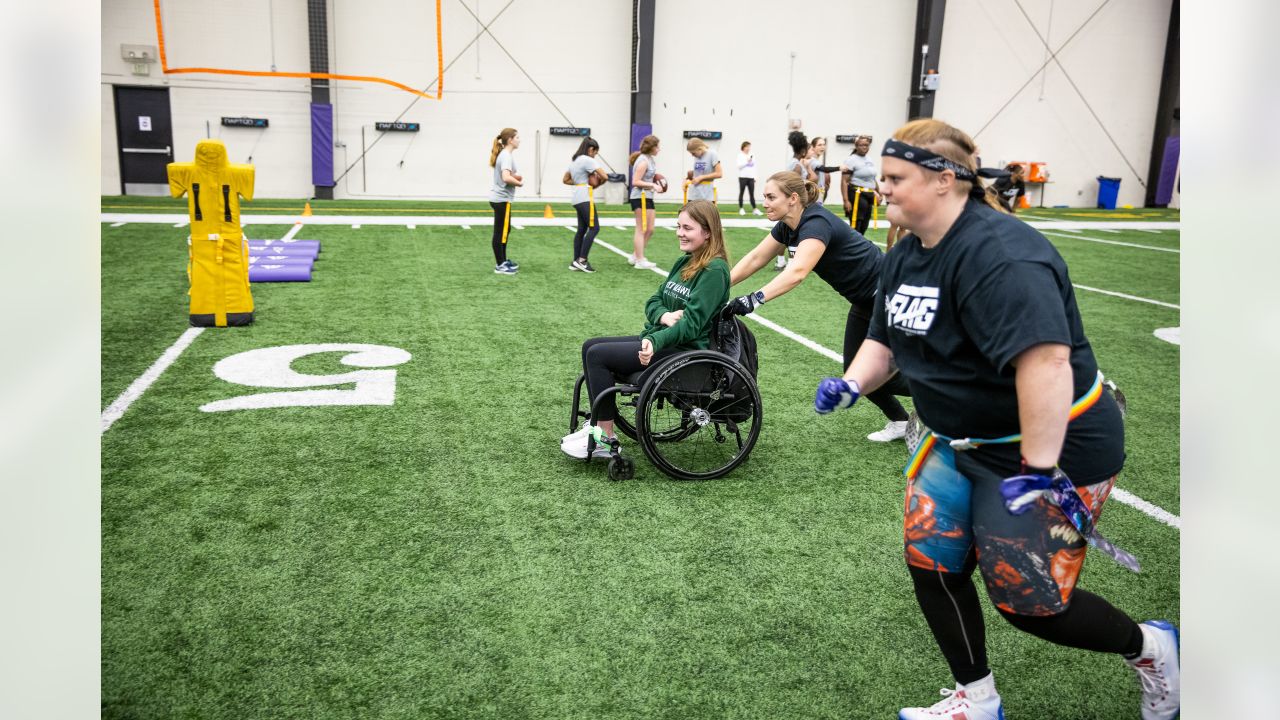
(661, 181)
(594, 180)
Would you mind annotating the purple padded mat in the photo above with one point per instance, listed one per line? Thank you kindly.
(279, 273)
(256, 259)
(257, 249)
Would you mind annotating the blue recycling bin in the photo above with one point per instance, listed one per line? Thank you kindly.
(1108, 191)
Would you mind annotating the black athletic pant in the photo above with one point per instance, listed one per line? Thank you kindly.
(499, 221)
(747, 185)
(586, 233)
(860, 218)
(855, 331)
(604, 360)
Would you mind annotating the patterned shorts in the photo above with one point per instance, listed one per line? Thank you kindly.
(956, 520)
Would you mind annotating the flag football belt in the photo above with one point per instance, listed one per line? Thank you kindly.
(591, 198)
(715, 191)
(1019, 491)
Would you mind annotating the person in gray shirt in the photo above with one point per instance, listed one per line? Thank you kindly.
(585, 174)
(858, 172)
(700, 182)
(506, 178)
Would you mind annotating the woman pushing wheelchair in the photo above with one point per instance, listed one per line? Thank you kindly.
(678, 317)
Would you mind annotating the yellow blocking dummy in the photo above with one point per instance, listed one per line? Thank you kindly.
(219, 257)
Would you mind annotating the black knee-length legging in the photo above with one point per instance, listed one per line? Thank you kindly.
(587, 230)
(855, 331)
(604, 359)
(747, 185)
(500, 224)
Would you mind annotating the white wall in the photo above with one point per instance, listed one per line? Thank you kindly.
(718, 65)
(989, 50)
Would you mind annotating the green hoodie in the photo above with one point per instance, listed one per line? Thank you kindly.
(700, 298)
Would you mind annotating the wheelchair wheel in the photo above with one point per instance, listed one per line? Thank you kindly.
(625, 421)
(698, 416)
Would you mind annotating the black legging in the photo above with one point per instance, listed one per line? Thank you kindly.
(747, 185)
(604, 359)
(499, 221)
(866, 200)
(855, 331)
(586, 233)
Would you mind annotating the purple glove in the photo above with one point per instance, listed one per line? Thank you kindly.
(835, 394)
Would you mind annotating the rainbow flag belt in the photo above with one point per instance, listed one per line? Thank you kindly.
(931, 438)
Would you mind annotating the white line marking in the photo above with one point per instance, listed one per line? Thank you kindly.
(411, 227)
(627, 223)
(1105, 230)
(144, 381)
(355, 226)
(181, 224)
(1069, 229)
(1154, 511)
(1126, 297)
(1170, 334)
(1153, 232)
(517, 226)
(1110, 242)
(119, 224)
(297, 228)
(466, 227)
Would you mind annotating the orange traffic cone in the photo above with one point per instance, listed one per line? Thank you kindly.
(546, 212)
(306, 210)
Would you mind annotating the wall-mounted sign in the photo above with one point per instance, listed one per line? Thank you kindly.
(244, 122)
(396, 126)
(571, 131)
(704, 134)
(144, 123)
(846, 138)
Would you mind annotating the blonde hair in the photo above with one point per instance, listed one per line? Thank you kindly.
(791, 184)
(646, 146)
(705, 213)
(499, 143)
(695, 145)
(951, 143)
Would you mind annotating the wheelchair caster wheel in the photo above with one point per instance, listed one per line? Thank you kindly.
(621, 468)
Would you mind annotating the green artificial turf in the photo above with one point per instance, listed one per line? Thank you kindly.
(440, 557)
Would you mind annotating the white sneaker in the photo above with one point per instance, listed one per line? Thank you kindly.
(893, 430)
(1159, 671)
(576, 447)
(742, 211)
(631, 259)
(756, 211)
(645, 264)
(975, 701)
(583, 430)
(780, 263)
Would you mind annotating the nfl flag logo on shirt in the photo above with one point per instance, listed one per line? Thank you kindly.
(911, 308)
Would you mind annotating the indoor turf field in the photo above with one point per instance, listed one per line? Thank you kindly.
(439, 556)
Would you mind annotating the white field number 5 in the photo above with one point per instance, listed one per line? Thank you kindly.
(271, 368)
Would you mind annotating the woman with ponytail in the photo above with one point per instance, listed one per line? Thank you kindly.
(503, 191)
(979, 314)
(645, 182)
(585, 174)
(819, 242)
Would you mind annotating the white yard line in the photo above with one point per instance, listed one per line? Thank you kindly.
(1110, 242)
(411, 227)
(1108, 230)
(1123, 496)
(355, 226)
(118, 224)
(116, 409)
(1126, 297)
(144, 381)
(180, 224)
(466, 227)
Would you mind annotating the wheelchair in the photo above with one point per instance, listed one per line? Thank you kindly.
(695, 414)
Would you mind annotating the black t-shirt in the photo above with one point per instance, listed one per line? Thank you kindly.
(1009, 190)
(957, 314)
(850, 264)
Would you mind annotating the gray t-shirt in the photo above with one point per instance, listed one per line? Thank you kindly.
(651, 169)
(864, 171)
(502, 192)
(704, 165)
(793, 165)
(581, 167)
(814, 164)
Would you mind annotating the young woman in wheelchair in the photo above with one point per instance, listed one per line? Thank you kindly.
(821, 243)
(678, 317)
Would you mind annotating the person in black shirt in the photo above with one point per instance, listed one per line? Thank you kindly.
(819, 242)
(977, 311)
(1011, 187)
